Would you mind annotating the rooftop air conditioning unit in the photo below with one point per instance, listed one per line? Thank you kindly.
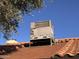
(41, 30)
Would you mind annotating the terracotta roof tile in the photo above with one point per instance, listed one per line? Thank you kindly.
(36, 52)
(26, 43)
(71, 48)
(63, 47)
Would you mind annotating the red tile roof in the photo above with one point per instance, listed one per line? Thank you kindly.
(25, 42)
(69, 46)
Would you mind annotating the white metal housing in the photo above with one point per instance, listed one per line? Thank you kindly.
(41, 30)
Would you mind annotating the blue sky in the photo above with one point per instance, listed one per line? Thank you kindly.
(64, 14)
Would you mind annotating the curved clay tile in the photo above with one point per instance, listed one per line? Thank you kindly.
(66, 49)
(62, 51)
(77, 50)
(71, 49)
